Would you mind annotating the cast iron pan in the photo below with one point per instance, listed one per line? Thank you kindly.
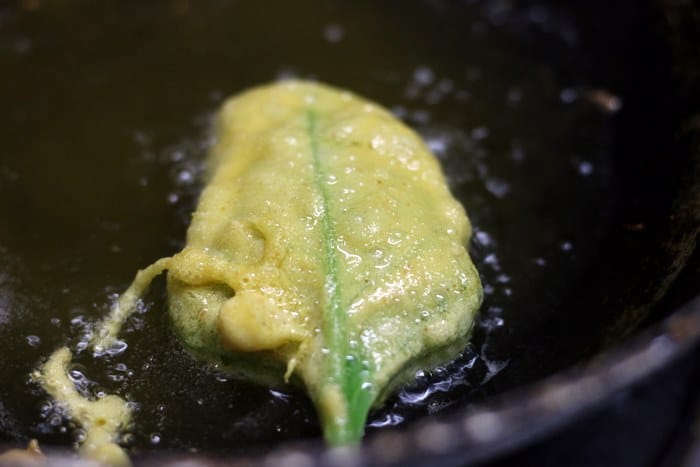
(565, 128)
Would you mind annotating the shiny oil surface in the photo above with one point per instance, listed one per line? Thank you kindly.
(104, 126)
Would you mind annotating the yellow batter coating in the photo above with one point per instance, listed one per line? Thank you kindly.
(326, 245)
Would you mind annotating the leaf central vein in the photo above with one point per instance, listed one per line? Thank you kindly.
(334, 322)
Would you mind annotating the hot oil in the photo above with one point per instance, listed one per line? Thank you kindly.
(105, 127)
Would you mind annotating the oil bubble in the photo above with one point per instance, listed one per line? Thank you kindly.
(423, 76)
(333, 33)
(33, 340)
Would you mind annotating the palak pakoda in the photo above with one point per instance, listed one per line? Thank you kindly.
(326, 248)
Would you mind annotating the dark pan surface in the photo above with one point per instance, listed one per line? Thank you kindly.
(104, 127)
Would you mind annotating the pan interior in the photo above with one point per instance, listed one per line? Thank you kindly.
(106, 107)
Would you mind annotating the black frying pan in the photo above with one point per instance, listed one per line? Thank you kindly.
(565, 129)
